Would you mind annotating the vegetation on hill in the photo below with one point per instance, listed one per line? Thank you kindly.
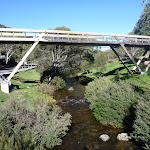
(111, 102)
(141, 126)
(30, 119)
(142, 26)
(2, 26)
(25, 127)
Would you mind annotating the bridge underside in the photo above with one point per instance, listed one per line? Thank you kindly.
(57, 37)
(117, 44)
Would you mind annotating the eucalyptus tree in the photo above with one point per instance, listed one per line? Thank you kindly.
(60, 59)
(143, 25)
(100, 60)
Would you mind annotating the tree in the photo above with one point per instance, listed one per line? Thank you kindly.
(54, 60)
(76, 56)
(86, 66)
(143, 25)
(14, 51)
(3, 26)
(100, 60)
(141, 125)
(9, 50)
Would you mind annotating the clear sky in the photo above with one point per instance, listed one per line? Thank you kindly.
(103, 16)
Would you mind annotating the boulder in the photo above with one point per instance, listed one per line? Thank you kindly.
(53, 100)
(146, 62)
(71, 89)
(104, 137)
(123, 137)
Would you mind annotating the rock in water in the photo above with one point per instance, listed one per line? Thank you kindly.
(104, 137)
(71, 89)
(123, 137)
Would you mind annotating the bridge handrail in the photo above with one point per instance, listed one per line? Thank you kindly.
(68, 32)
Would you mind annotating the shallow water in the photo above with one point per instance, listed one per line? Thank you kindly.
(85, 130)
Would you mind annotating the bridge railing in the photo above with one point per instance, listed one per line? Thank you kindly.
(28, 66)
(29, 35)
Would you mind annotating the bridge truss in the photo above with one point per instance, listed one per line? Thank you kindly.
(9, 35)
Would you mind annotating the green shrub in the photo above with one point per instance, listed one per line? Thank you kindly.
(110, 102)
(32, 128)
(46, 89)
(100, 60)
(11, 142)
(141, 125)
(96, 88)
(86, 66)
(58, 83)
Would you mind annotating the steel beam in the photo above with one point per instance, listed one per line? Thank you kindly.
(22, 61)
(147, 67)
(126, 51)
(140, 60)
(5, 85)
(130, 72)
(124, 48)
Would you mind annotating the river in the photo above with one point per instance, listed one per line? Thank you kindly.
(85, 130)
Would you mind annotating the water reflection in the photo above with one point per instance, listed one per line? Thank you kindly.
(85, 130)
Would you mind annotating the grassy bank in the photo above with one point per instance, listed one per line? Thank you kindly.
(116, 71)
(30, 119)
(121, 100)
(24, 85)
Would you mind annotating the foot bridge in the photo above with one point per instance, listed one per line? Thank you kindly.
(10, 35)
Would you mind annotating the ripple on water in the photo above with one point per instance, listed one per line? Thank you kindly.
(85, 130)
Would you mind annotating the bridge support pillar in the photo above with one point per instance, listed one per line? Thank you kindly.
(122, 45)
(126, 51)
(22, 61)
(5, 86)
(130, 72)
(140, 60)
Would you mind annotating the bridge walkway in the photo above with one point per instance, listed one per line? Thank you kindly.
(10, 35)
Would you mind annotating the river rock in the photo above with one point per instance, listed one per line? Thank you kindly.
(53, 100)
(146, 62)
(123, 137)
(104, 137)
(71, 89)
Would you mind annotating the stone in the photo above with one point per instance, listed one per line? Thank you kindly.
(53, 100)
(104, 137)
(71, 89)
(146, 62)
(123, 137)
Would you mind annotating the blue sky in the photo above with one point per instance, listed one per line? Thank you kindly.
(103, 16)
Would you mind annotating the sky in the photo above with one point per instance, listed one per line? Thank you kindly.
(101, 16)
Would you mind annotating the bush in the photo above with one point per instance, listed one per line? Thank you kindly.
(46, 89)
(31, 128)
(100, 60)
(141, 125)
(110, 102)
(86, 66)
(11, 142)
(58, 83)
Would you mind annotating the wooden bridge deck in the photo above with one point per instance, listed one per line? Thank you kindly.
(9, 35)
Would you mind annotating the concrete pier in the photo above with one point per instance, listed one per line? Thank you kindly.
(5, 86)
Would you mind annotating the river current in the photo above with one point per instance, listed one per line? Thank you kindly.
(85, 130)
